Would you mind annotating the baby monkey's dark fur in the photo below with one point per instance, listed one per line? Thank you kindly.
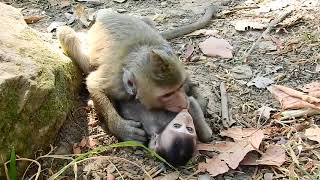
(176, 145)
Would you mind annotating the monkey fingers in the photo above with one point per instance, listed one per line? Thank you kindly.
(131, 130)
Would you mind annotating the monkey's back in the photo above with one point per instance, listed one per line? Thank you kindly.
(114, 36)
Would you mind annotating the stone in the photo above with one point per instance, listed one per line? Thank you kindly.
(37, 87)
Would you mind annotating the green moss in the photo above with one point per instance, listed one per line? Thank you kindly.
(10, 111)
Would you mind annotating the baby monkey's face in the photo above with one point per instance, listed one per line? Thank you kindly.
(177, 142)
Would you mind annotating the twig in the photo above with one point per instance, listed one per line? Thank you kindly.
(298, 113)
(224, 106)
(270, 26)
(116, 169)
(118, 158)
(25, 159)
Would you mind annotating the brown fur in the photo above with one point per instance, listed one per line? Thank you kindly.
(117, 41)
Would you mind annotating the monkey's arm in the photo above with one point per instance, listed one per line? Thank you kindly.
(121, 128)
(202, 22)
(203, 130)
(192, 89)
(71, 45)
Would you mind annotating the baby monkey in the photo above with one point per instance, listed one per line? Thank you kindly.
(172, 135)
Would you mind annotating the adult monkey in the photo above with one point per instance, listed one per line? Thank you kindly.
(123, 48)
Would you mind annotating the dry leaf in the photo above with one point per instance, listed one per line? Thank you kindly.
(240, 134)
(218, 146)
(246, 140)
(76, 149)
(83, 142)
(92, 142)
(54, 25)
(313, 89)
(235, 155)
(275, 155)
(313, 134)
(216, 47)
(297, 94)
(260, 82)
(265, 111)
(206, 32)
(250, 159)
(245, 25)
(189, 51)
(214, 166)
(287, 101)
(293, 99)
(32, 19)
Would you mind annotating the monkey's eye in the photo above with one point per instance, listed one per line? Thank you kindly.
(176, 125)
(167, 95)
(190, 129)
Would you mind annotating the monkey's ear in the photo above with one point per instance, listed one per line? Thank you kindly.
(129, 82)
(158, 61)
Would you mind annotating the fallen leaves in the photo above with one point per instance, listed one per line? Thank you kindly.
(245, 25)
(216, 47)
(85, 142)
(313, 134)
(260, 82)
(189, 51)
(54, 25)
(232, 154)
(265, 112)
(32, 19)
(214, 166)
(297, 103)
(293, 99)
(274, 156)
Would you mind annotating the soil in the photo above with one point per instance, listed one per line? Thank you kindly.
(293, 65)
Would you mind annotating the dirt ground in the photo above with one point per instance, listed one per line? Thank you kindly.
(292, 63)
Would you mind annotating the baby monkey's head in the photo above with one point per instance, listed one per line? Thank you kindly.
(177, 142)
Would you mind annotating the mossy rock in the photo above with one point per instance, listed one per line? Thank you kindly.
(37, 87)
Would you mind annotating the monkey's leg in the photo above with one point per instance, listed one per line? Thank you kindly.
(121, 128)
(72, 46)
(204, 132)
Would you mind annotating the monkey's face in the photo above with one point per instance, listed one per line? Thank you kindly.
(172, 98)
(177, 141)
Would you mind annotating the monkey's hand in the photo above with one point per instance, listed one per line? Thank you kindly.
(128, 130)
(119, 127)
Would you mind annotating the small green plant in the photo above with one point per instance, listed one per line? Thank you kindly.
(13, 165)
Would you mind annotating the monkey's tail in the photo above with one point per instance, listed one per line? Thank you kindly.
(71, 45)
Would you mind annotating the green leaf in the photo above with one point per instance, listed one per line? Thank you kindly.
(12, 166)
